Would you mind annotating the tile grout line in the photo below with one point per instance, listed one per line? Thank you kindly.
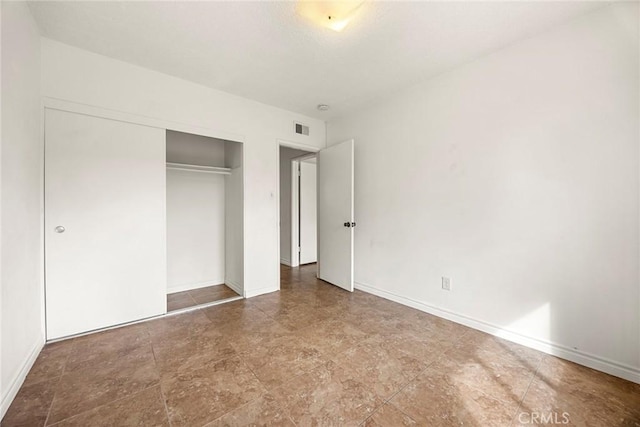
(64, 369)
(390, 404)
(236, 354)
(388, 400)
(103, 405)
(412, 379)
(99, 406)
(328, 360)
(356, 378)
(437, 356)
(263, 386)
(192, 298)
(524, 395)
(502, 358)
(162, 396)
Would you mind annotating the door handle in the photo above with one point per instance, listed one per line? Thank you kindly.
(59, 229)
(349, 224)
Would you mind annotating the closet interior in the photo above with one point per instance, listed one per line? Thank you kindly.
(204, 220)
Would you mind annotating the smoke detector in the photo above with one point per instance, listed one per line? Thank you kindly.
(323, 107)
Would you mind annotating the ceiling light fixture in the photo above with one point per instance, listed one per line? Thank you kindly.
(335, 15)
(323, 107)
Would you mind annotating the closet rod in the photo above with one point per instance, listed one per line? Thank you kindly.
(198, 168)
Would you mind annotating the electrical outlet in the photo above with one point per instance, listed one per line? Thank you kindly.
(446, 283)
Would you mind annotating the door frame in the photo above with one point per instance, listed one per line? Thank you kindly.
(295, 206)
(296, 145)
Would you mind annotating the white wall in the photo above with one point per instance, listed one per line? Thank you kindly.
(79, 76)
(286, 154)
(234, 214)
(516, 175)
(21, 263)
(194, 149)
(195, 230)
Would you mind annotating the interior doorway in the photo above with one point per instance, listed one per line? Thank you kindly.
(297, 191)
(304, 213)
(329, 211)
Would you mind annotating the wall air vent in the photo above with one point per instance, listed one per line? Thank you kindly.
(301, 129)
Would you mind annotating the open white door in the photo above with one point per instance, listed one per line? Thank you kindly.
(335, 215)
(105, 228)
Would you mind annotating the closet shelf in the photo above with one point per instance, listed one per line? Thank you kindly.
(198, 168)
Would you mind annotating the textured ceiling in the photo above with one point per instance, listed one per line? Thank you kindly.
(266, 52)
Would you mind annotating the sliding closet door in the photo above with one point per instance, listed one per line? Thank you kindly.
(105, 233)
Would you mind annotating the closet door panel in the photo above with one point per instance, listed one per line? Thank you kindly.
(105, 226)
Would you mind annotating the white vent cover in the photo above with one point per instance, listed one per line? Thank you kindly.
(301, 129)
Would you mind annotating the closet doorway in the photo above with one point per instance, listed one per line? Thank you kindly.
(139, 219)
(204, 220)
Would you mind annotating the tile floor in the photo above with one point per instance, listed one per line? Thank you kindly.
(311, 354)
(180, 300)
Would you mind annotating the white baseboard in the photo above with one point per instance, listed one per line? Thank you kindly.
(286, 262)
(19, 378)
(260, 291)
(592, 361)
(192, 286)
(233, 285)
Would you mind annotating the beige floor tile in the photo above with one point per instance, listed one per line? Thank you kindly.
(333, 336)
(312, 354)
(31, 405)
(487, 347)
(259, 335)
(327, 395)
(569, 378)
(277, 361)
(498, 378)
(264, 411)
(544, 405)
(108, 347)
(299, 316)
(179, 300)
(380, 366)
(85, 389)
(199, 296)
(191, 349)
(143, 409)
(166, 328)
(387, 416)
(205, 393)
(50, 362)
(436, 399)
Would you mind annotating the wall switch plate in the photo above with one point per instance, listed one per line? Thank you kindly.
(446, 283)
